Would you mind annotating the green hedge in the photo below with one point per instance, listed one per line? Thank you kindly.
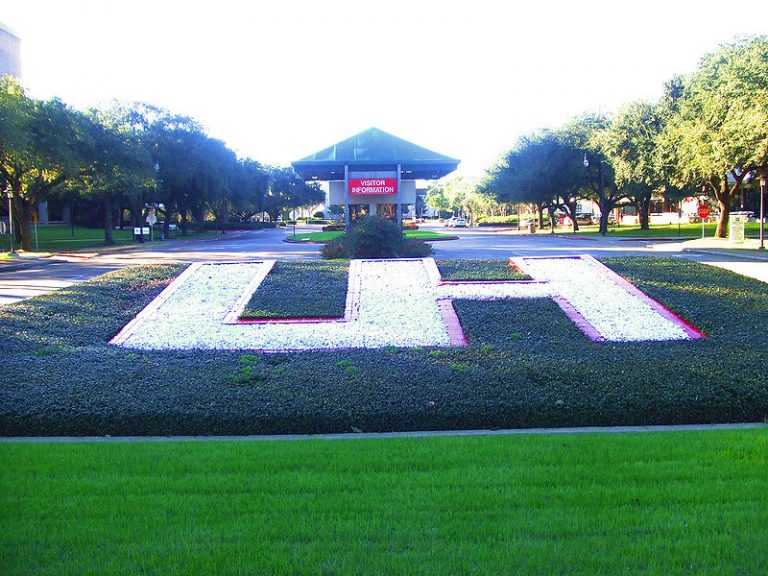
(301, 289)
(526, 365)
(210, 225)
(498, 221)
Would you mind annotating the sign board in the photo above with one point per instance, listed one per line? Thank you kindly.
(138, 231)
(703, 211)
(365, 186)
(736, 228)
(292, 215)
(151, 219)
(3, 228)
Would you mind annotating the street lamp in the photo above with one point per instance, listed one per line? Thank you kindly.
(762, 212)
(600, 194)
(10, 218)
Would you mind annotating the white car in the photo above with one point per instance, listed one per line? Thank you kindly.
(458, 223)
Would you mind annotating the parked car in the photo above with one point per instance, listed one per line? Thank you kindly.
(584, 218)
(458, 223)
(448, 222)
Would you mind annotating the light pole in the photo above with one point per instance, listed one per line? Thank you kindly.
(762, 212)
(600, 195)
(10, 218)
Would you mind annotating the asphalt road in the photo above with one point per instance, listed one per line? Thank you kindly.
(64, 270)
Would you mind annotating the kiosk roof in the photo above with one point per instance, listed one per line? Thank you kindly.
(374, 149)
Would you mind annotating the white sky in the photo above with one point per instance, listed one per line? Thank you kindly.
(281, 79)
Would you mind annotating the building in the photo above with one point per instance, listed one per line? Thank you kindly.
(374, 173)
(10, 52)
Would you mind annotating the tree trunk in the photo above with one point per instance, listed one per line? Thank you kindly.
(22, 214)
(644, 211)
(107, 208)
(723, 196)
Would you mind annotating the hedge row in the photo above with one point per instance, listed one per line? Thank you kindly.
(210, 225)
(301, 289)
(526, 365)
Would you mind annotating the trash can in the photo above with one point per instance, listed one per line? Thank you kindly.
(736, 228)
(532, 227)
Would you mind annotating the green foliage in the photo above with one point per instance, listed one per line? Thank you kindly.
(335, 249)
(374, 237)
(498, 220)
(652, 504)
(301, 289)
(414, 248)
(61, 378)
(459, 269)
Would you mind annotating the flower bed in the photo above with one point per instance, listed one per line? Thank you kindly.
(391, 303)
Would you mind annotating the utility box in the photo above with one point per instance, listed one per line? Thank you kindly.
(736, 228)
(532, 227)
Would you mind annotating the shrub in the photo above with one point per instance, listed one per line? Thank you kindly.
(410, 226)
(334, 228)
(336, 248)
(415, 248)
(374, 237)
(498, 220)
(319, 214)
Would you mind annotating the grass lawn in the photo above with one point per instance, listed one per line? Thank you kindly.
(660, 503)
(526, 365)
(426, 235)
(301, 289)
(62, 237)
(656, 230)
(479, 270)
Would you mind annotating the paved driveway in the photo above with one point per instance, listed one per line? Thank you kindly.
(65, 270)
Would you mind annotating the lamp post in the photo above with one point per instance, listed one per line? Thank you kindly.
(600, 195)
(762, 212)
(10, 218)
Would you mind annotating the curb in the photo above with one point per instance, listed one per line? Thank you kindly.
(393, 435)
(24, 265)
(731, 254)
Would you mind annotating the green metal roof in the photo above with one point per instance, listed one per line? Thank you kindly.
(375, 149)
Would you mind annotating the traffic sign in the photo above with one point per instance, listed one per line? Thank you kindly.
(3, 228)
(703, 211)
(151, 219)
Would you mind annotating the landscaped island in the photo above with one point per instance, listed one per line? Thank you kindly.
(526, 364)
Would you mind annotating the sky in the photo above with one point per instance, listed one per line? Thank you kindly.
(278, 80)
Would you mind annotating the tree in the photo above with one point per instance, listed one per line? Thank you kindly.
(287, 190)
(435, 197)
(41, 146)
(719, 131)
(248, 189)
(543, 169)
(117, 164)
(631, 144)
(584, 134)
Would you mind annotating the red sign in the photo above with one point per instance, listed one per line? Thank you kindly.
(363, 186)
(703, 210)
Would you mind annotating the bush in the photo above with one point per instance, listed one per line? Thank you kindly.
(498, 221)
(415, 248)
(335, 249)
(334, 228)
(319, 215)
(374, 237)
(234, 225)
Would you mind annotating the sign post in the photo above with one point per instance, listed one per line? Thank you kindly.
(3, 230)
(703, 212)
(151, 219)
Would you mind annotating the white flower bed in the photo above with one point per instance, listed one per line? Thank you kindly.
(394, 303)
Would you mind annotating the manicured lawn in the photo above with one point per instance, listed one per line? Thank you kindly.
(660, 503)
(301, 289)
(479, 270)
(526, 365)
(426, 235)
(657, 230)
(62, 237)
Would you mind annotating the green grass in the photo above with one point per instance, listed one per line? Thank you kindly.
(426, 235)
(660, 503)
(62, 237)
(479, 270)
(301, 289)
(656, 230)
(526, 365)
